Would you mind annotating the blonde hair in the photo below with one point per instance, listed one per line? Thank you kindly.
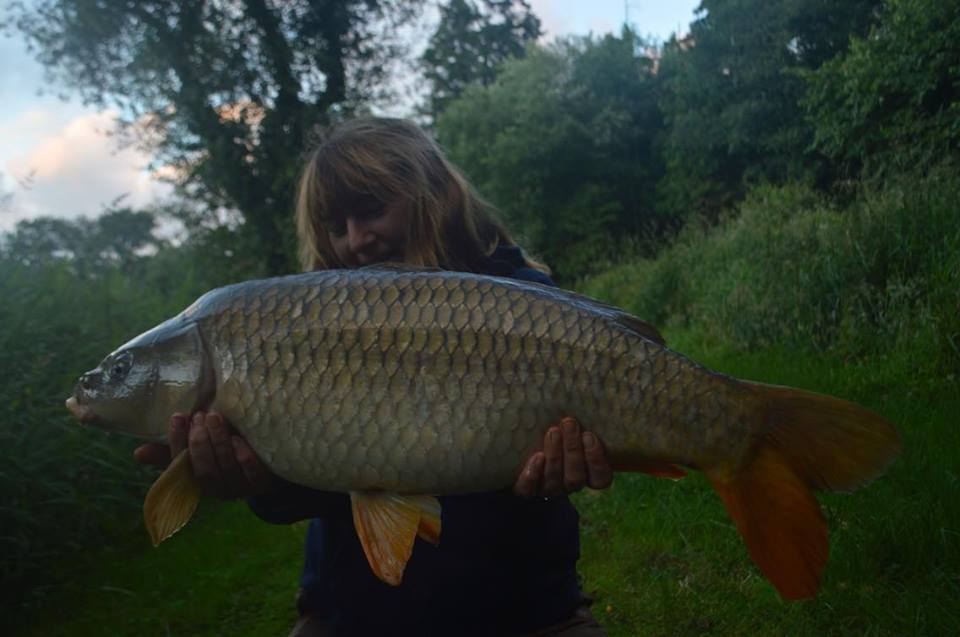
(387, 160)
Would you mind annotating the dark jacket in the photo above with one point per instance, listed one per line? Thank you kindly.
(504, 564)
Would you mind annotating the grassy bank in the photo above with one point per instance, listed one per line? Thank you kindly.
(663, 558)
(227, 573)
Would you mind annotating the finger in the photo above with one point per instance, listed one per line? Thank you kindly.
(232, 477)
(528, 484)
(178, 433)
(202, 457)
(258, 476)
(553, 463)
(153, 454)
(574, 463)
(599, 470)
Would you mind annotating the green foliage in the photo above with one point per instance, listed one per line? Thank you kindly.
(74, 291)
(471, 44)
(223, 93)
(564, 144)
(791, 270)
(226, 573)
(893, 101)
(732, 93)
(593, 141)
(860, 301)
(117, 237)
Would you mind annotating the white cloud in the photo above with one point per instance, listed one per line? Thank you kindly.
(72, 169)
(550, 21)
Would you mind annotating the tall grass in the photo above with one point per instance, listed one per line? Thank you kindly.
(876, 277)
(62, 487)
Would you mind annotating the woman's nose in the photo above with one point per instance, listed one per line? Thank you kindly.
(358, 235)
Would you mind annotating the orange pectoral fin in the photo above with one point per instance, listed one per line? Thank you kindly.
(780, 521)
(387, 525)
(172, 499)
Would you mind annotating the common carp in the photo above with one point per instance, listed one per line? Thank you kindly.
(397, 385)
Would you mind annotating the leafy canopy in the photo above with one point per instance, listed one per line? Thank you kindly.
(893, 100)
(224, 92)
(471, 43)
(564, 144)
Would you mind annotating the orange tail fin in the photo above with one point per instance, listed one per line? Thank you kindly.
(806, 442)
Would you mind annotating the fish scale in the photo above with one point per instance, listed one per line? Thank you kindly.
(396, 385)
(488, 355)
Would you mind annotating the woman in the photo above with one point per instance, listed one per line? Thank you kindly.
(377, 190)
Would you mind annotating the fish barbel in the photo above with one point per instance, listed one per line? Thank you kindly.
(397, 385)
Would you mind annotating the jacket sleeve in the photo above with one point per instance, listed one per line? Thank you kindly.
(292, 502)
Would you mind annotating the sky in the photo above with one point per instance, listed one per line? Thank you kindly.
(58, 159)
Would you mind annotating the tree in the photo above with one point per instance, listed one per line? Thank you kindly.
(893, 100)
(471, 44)
(564, 143)
(116, 238)
(226, 91)
(733, 92)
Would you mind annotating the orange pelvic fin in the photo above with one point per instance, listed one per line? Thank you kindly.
(806, 442)
(387, 525)
(429, 529)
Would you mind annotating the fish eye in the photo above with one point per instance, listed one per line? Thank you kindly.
(120, 367)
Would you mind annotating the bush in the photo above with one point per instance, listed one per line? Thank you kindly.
(891, 101)
(791, 269)
(62, 487)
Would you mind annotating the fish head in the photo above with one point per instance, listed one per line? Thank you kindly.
(136, 389)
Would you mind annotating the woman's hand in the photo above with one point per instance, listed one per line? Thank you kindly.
(571, 459)
(223, 462)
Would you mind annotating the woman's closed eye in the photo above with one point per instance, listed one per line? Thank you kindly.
(365, 213)
(337, 226)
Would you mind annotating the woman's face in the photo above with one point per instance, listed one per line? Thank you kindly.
(371, 234)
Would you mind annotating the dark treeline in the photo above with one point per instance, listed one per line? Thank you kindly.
(592, 145)
(593, 148)
(596, 151)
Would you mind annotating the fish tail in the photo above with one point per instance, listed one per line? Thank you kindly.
(806, 442)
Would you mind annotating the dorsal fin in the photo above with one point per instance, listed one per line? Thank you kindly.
(642, 328)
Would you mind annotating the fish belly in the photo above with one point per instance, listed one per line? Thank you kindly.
(446, 383)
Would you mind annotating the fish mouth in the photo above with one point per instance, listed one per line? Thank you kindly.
(81, 412)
